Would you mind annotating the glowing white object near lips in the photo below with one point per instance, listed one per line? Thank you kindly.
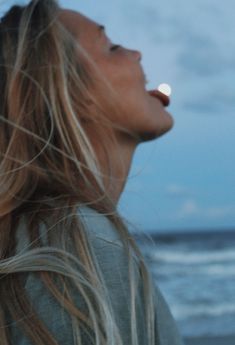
(165, 88)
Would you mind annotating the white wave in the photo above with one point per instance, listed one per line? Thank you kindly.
(187, 311)
(217, 270)
(193, 258)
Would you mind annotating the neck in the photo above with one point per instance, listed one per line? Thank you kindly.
(114, 158)
(116, 167)
(122, 165)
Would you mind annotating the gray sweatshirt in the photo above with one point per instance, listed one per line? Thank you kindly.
(110, 254)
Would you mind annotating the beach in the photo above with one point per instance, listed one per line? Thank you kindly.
(225, 340)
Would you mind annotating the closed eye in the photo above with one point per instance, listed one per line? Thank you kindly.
(114, 47)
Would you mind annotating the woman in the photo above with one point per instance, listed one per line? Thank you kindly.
(73, 110)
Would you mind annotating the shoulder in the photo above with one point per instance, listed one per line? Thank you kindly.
(107, 244)
(166, 328)
(98, 225)
(103, 237)
(107, 247)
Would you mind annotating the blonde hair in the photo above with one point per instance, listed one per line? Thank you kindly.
(48, 168)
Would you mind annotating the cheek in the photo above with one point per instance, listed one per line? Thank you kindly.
(121, 73)
(128, 80)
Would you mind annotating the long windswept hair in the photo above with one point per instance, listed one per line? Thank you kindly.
(48, 168)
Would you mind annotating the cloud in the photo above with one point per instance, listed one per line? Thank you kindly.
(188, 209)
(191, 209)
(178, 191)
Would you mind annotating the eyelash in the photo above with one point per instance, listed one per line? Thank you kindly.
(114, 47)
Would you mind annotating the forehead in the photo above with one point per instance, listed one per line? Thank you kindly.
(78, 24)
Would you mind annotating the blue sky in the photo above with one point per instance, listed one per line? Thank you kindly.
(186, 179)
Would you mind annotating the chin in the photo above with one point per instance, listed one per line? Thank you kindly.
(156, 130)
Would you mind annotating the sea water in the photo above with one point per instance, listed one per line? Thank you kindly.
(196, 274)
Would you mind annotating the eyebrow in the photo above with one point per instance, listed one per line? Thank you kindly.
(101, 28)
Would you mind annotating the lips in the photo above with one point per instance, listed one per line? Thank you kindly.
(164, 99)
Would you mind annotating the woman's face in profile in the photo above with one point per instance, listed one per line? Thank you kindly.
(121, 66)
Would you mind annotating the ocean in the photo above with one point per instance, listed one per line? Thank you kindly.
(196, 274)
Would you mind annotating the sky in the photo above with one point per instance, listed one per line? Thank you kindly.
(184, 180)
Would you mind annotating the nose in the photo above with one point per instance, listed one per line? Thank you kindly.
(137, 55)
